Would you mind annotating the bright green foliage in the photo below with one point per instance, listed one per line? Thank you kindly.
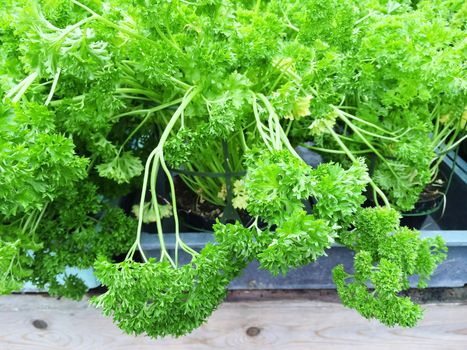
(74, 239)
(297, 242)
(92, 90)
(386, 256)
(36, 161)
(242, 241)
(159, 300)
(407, 170)
(404, 90)
(15, 265)
(339, 192)
(276, 184)
(122, 168)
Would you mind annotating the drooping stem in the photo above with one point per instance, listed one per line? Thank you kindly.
(260, 126)
(149, 110)
(53, 88)
(352, 158)
(151, 168)
(178, 240)
(365, 141)
(155, 204)
(280, 135)
(21, 88)
(335, 151)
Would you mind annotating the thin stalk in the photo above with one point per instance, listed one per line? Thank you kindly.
(149, 110)
(18, 86)
(334, 151)
(70, 29)
(160, 234)
(53, 88)
(132, 97)
(259, 125)
(376, 135)
(454, 145)
(349, 139)
(24, 85)
(352, 158)
(145, 92)
(39, 219)
(181, 83)
(363, 138)
(154, 158)
(30, 219)
(365, 122)
(446, 130)
(443, 140)
(257, 6)
(112, 24)
(135, 130)
(289, 126)
(280, 134)
(167, 40)
(178, 240)
(243, 141)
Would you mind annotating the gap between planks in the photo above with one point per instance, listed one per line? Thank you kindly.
(271, 324)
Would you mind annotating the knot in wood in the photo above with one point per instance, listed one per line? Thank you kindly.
(40, 324)
(253, 331)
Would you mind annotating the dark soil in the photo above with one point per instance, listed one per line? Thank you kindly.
(433, 191)
(189, 202)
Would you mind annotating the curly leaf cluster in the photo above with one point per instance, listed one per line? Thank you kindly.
(386, 256)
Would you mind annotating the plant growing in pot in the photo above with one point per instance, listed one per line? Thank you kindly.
(169, 82)
(407, 107)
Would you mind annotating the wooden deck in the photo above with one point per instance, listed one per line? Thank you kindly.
(38, 322)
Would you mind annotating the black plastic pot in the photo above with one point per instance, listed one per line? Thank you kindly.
(432, 206)
(463, 150)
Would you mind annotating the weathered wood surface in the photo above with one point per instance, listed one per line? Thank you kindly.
(284, 325)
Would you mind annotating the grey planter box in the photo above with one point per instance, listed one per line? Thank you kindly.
(451, 273)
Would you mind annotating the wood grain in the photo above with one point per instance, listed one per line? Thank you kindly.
(285, 325)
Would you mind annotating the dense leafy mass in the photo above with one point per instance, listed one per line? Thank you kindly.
(156, 299)
(386, 256)
(407, 106)
(93, 89)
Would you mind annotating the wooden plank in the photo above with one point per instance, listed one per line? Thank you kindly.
(284, 325)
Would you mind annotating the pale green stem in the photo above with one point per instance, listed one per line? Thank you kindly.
(39, 219)
(70, 29)
(120, 28)
(145, 92)
(155, 204)
(376, 135)
(366, 122)
(135, 130)
(370, 146)
(352, 158)
(179, 241)
(279, 132)
(156, 154)
(53, 88)
(260, 126)
(149, 110)
(336, 151)
(23, 86)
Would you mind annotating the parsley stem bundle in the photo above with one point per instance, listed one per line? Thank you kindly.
(156, 158)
